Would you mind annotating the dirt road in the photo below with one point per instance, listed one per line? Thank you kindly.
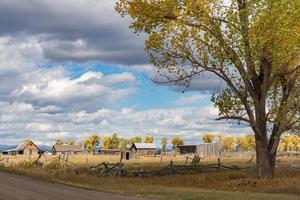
(15, 187)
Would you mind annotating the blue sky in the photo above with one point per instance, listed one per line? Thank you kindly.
(148, 95)
(87, 74)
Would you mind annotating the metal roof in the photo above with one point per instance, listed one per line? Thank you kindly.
(21, 146)
(9, 150)
(184, 145)
(144, 145)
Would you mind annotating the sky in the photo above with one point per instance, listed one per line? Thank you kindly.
(69, 69)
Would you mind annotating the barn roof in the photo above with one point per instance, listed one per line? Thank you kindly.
(24, 144)
(144, 145)
(66, 148)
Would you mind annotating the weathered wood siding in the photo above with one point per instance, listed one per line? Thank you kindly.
(143, 151)
(206, 149)
(210, 149)
(31, 149)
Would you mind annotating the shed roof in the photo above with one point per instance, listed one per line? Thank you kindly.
(109, 150)
(66, 148)
(9, 150)
(144, 145)
(212, 143)
(24, 144)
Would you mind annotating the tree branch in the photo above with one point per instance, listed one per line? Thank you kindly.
(235, 118)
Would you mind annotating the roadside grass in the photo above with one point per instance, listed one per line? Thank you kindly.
(207, 185)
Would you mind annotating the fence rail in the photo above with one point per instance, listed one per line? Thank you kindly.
(117, 169)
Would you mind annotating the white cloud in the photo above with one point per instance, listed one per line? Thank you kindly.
(186, 100)
(189, 123)
(23, 80)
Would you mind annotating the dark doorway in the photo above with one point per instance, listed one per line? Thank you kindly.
(127, 155)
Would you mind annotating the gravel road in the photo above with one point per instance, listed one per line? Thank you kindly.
(15, 187)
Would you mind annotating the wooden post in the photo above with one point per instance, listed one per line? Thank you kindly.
(67, 157)
(171, 168)
(219, 162)
(121, 156)
(186, 161)
(160, 158)
(198, 160)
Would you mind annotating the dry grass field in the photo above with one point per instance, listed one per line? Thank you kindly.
(222, 184)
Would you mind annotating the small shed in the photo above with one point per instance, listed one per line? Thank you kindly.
(204, 149)
(65, 148)
(24, 148)
(143, 148)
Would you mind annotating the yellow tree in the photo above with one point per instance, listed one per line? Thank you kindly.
(177, 141)
(208, 138)
(251, 142)
(253, 46)
(287, 143)
(242, 143)
(136, 139)
(123, 143)
(228, 143)
(148, 139)
(91, 143)
(106, 142)
(71, 142)
(58, 142)
(297, 143)
(114, 141)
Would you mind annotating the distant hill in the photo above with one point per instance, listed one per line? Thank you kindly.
(4, 147)
(45, 148)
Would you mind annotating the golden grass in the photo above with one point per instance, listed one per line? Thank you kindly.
(287, 180)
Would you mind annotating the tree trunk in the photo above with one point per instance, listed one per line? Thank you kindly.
(265, 162)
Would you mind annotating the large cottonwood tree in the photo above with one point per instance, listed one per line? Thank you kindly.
(252, 45)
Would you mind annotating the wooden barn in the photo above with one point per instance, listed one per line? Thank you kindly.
(65, 148)
(24, 148)
(143, 148)
(204, 149)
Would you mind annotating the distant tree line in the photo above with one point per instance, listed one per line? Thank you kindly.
(228, 143)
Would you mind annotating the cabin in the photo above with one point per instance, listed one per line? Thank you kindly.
(143, 148)
(59, 149)
(24, 148)
(109, 151)
(204, 149)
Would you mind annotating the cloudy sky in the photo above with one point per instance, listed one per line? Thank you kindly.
(69, 69)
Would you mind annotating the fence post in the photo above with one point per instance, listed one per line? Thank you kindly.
(171, 168)
(161, 159)
(121, 156)
(186, 161)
